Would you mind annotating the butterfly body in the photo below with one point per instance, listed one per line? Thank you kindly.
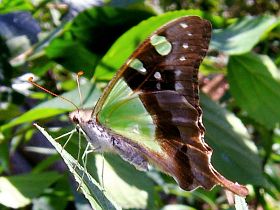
(150, 113)
(103, 140)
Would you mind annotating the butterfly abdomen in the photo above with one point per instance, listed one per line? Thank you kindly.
(129, 153)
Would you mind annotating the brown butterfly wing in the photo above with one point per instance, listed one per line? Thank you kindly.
(169, 92)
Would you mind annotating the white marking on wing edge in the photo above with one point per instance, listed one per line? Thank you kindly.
(137, 65)
(178, 73)
(183, 25)
(142, 70)
(183, 58)
(158, 86)
(185, 45)
(157, 75)
(178, 86)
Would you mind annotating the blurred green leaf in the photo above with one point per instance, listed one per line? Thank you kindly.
(17, 191)
(255, 84)
(8, 112)
(242, 36)
(272, 176)
(234, 155)
(57, 106)
(49, 203)
(7, 6)
(208, 197)
(129, 187)
(32, 115)
(127, 43)
(72, 55)
(89, 36)
(4, 156)
(46, 163)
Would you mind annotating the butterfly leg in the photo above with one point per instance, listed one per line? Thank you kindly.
(85, 159)
(84, 162)
(70, 134)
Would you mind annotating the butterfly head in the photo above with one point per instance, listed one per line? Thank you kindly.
(80, 116)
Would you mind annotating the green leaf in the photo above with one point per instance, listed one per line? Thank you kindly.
(255, 84)
(4, 155)
(128, 42)
(17, 191)
(89, 36)
(7, 6)
(72, 55)
(242, 36)
(207, 197)
(8, 112)
(129, 187)
(57, 106)
(32, 115)
(234, 155)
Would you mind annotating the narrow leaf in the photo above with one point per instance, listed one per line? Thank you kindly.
(240, 203)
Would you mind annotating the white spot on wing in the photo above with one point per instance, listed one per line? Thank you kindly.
(158, 86)
(178, 86)
(137, 65)
(183, 58)
(185, 45)
(161, 44)
(190, 34)
(142, 70)
(157, 75)
(178, 73)
(183, 25)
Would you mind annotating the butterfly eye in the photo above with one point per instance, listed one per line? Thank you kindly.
(75, 120)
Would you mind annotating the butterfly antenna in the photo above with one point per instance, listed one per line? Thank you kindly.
(30, 80)
(80, 73)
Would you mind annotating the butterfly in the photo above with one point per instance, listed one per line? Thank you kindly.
(149, 113)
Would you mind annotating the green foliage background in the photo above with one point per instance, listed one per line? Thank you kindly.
(240, 98)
